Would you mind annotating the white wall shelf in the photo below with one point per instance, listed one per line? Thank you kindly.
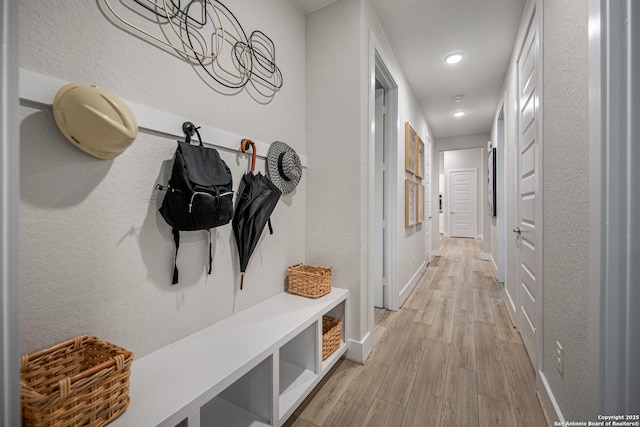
(250, 369)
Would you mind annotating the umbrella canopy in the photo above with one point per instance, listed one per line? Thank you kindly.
(257, 198)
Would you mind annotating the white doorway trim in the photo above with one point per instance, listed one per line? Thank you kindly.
(501, 200)
(9, 215)
(614, 323)
(378, 70)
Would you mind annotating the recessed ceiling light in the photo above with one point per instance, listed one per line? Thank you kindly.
(459, 113)
(454, 58)
(458, 98)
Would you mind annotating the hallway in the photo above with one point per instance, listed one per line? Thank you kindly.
(449, 357)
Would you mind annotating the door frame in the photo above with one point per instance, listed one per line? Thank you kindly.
(379, 247)
(428, 215)
(9, 217)
(379, 70)
(475, 197)
(614, 365)
(501, 199)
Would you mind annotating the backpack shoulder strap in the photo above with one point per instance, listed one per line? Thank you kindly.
(176, 240)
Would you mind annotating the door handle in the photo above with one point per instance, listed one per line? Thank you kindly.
(452, 212)
(517, 230)
(430, 217)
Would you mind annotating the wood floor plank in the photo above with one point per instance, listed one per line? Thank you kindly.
(449, 287)
(504, 327)
(460, 406)
(424, 407)
(465, 275)
(298, 422)
(443, 323)
(464, 298)
(487, 268)
(455, 268)
(522, 380)
(384, 414)
(492, 413)
(427, 312)
(396, 388)
(416, 299)
(385, 350)
(323, 399)
(378, 333)
(482, 306)
(463, 343)
(429, 274)
(492, 378)
(354, 405)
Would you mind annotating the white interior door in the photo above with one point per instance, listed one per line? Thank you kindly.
(378, 216)
(463, 205)
(528, 199)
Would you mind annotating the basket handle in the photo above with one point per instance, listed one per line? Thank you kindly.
(64, 387)
(77, 343)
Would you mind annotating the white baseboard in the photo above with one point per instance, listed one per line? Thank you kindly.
(406, 290)
(479, 237)
(548, 400)
(488, 257)
(359, 350)
(436, 253)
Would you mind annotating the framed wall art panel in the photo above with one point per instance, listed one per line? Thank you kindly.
(410, 149)
(410, 199)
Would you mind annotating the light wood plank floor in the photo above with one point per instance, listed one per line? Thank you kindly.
(449, 357)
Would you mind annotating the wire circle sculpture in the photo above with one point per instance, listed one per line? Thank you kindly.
(208, 34)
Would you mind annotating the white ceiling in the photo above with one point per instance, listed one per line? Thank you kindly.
(422, 32)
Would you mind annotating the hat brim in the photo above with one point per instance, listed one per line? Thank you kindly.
(273, 173)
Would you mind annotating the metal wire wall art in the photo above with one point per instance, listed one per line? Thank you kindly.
(207, 34)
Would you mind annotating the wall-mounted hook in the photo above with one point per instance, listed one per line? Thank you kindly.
(189, 129)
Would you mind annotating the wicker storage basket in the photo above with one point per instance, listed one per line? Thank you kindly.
(309, 281)
(83, 381)
(331, 328)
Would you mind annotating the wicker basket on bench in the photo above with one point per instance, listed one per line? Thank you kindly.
(309, 281)
(83, 381)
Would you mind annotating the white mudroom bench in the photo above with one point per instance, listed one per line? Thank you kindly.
(251, 369)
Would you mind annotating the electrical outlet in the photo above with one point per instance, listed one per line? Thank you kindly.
(560, 357)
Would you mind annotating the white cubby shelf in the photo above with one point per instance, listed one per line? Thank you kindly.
(251, 369)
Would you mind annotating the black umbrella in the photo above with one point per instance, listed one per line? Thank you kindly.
(257, 197)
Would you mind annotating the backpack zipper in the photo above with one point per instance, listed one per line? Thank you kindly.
(206, 194)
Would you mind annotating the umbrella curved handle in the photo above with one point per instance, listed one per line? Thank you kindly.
(243, 147)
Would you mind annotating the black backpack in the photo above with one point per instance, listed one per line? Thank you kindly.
(199, 195)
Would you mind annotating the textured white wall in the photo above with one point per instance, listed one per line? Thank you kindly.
(337, 146)
(96, 256)
(566, 203)
(334, 112)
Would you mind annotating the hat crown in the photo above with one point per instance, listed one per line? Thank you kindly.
(289, 165)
